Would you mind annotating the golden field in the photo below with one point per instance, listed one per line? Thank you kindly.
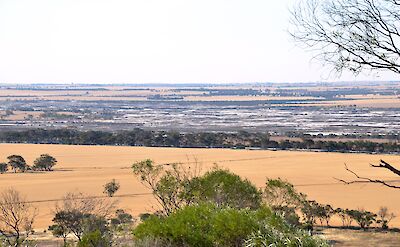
(87, 168)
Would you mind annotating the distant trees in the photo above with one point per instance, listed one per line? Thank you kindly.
(16, 217)
(18, 164)
(111, 188)
(44, 163)
(3, 167)
(139, 137)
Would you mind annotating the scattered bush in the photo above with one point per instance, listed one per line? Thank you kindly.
(111, 187)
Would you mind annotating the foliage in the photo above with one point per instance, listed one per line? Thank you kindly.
(165, 186)
(309, 210)
(139, 137)
(16, 217)
(279, 194)
(3, 167)
(225, 189)
(177, 186)
(78, 224)
(121, 217)
(345, 216)
(60, 231)
(78, 214)
(94, 239)
(44, 163)
(144, 216)
(324, 213)
(210, 225)
(111, 187)
(66, 222)
(363, 218)
(17, 162)
(283, 198)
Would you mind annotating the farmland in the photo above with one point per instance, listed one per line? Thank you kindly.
(87, 168)
(313, 108)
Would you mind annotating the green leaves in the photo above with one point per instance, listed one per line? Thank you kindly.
(206, 224)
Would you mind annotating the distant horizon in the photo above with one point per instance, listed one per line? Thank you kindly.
(197, 83)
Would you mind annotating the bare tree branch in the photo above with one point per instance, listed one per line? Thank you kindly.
(386, 165)
(365, 179)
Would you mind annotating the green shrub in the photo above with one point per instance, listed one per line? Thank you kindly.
(225, 189)
(94, 239)
(209, 225)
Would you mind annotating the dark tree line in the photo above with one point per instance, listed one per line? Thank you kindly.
(140, 137)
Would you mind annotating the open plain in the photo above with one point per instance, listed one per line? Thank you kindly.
(368, 108)
(87, 168)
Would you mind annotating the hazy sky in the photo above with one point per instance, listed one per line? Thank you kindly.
(153, 41)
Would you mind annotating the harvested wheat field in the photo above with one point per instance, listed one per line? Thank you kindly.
(87, 168)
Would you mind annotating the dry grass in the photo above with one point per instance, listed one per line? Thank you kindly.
(87, 168)
(350, 238)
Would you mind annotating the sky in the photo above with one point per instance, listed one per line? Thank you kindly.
(154, 41)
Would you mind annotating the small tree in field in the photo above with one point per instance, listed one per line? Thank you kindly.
(3, 167)
(45, 162)
(345, 216)
(17, 162)
(111, 187)
(16, 217)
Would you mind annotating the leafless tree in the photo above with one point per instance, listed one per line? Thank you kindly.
(86, 204)
(353, 35)
(16, 217)
(360, 179)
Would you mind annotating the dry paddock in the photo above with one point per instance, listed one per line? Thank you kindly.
(87, 168)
